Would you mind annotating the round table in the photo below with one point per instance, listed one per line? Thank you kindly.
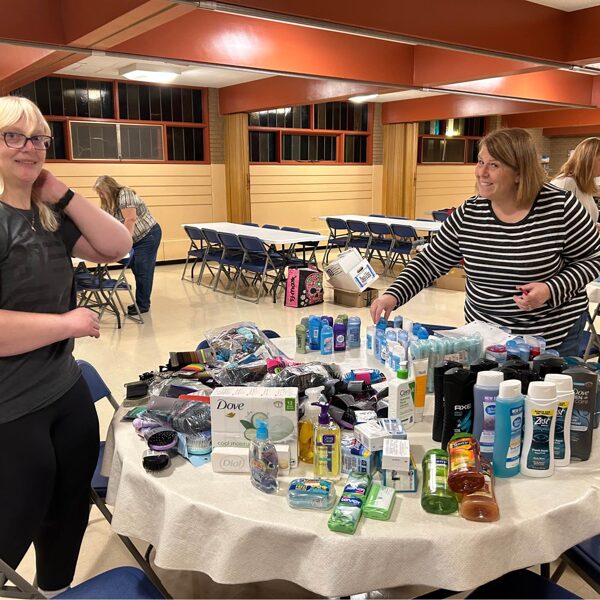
(217, 523)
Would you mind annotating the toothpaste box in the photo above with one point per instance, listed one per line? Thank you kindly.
(355, 457)
(371, 434)
(394, 427)
(396, 455)
(401, 481)
(235, 410)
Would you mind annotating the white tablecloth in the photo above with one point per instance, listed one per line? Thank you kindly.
(219, 524)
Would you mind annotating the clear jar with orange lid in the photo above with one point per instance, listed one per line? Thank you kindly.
(464, 475)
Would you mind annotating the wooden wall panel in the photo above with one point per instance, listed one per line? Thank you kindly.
(296, 195)
(175, 194)
(442, 186)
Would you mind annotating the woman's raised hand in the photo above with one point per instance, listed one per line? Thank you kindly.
(48, 188)
(383, 306)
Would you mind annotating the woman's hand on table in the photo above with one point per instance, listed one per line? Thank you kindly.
(383, 306)
(82, 322)
(533, 295)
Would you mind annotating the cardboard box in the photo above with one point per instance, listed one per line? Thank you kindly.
(400, 480)
(234, 411)
(453, 280)
(349, 271)
(396, 455)
(355, 299)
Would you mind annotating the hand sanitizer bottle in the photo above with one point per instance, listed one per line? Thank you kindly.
(264, 462)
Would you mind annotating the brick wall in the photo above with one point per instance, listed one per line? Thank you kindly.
(215, 124)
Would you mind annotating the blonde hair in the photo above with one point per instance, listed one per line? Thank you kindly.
(108, 188)
(12, 110)
(580, 165)
(516, 149)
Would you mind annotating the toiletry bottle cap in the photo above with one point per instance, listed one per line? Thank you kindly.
(490, 378)
(262, 430)
(324, 415)
(511, 388)
(312, 405)
(542, 390)
(402, 372)
(564, 383)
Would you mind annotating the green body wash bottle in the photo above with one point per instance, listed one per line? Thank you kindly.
(436, 496)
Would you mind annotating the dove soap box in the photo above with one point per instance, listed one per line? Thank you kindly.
(235, 411)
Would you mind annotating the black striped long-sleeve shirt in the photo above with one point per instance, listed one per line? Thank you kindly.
(556, 243)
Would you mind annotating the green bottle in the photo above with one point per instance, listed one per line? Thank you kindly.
(436, 496)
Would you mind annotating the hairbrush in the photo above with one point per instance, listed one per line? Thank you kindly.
(161, 438)
(155, 461)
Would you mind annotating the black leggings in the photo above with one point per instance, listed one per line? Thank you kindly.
(47, 459)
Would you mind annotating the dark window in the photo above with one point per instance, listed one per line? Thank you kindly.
(57, 149)
(141, 142)
(442, 150)
(262, 146)
(355, 149)
(56, 97)
(185, 143)
(94, 141)
(309, 147)
(296, 117)
(81, 98)
(342, 116)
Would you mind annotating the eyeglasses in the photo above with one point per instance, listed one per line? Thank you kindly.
(18, 140)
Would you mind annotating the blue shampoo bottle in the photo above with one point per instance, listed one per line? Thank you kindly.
(508, 428)
(485, 392)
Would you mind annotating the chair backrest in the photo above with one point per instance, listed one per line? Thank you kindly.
(290, 229)
(399, 218)
(194, 233)
(251, 224)
(376, 215)
(404, 231)
(230, 241)
(379, 228)
(211, 236)
(426, 220)
(252, 244)
(309, 244)
(440, 215)
(336, 224)
(98, 387)
(357, 226)
(269, 226)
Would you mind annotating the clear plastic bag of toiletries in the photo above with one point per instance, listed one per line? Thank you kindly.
(303, 376)
(185, 416)
(241, 343)
(246, 374)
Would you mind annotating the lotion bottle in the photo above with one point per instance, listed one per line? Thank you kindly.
(401, 396)
(264, 462)
(541, 404)
(328, 449)
(562, 434)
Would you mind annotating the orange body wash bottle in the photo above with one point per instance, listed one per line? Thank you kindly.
(481, 505)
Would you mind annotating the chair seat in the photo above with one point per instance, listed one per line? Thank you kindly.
(359, 243)
(521, 584)
(402, 248)
(381, 245)
(340, 241)
(122, 582)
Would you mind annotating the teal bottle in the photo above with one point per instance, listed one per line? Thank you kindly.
(507, 429)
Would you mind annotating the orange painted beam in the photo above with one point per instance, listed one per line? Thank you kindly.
(275, 92)
(214, 38)
(587, 130)
(582, 34)
(449, 106)
(554, 118)
(33, 21)
(436, 67)
(553, 86)
(513, 26)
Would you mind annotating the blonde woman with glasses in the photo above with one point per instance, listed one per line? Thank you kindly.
(578, 174)
(48, 423)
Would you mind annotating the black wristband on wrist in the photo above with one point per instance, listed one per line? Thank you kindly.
(64, 201)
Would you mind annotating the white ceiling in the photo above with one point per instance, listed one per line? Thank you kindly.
(567, 5)
(107, 67)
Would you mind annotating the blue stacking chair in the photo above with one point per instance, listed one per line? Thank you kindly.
(290, 229)
(212, 254)
(269, 226)
(260, 260)
(231, 261)
(440, 215)
(308, 250)
(250, 224)
(338, 236)
(405, 237)
(376, 215)
(99, 485)
(196, 249)
(123, 582)
(382, 242)
(359, 236)
(584, 559)
(399, 218)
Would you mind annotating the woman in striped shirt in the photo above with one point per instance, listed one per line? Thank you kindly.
(529, 249)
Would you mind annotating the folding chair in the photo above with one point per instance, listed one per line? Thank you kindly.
(360, 238)
(212, 254)
(382, 242)
(196, 249)
(296, 229)
(99, 390)
(98, 291)
(440, 215)
(231, 261)
(405, 238)
(307, 249)
(250, 224)
(376, 215)
(584, 559)
(259, 260)
(338, 236)
(269, 226)
(122, 582)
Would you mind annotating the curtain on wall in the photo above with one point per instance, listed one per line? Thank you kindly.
(237, 172)
(399, 169)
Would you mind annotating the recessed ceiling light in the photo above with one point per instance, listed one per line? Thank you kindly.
(150, 73)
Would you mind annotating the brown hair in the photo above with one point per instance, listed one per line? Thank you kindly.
(108, 188)
(12, 110)
(516, 149)
(580, 165)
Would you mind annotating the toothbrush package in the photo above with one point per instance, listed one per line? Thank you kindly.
(346, 514)
(380, 502)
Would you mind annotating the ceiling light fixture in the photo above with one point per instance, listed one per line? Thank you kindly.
(366, 98)
(150, 73)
